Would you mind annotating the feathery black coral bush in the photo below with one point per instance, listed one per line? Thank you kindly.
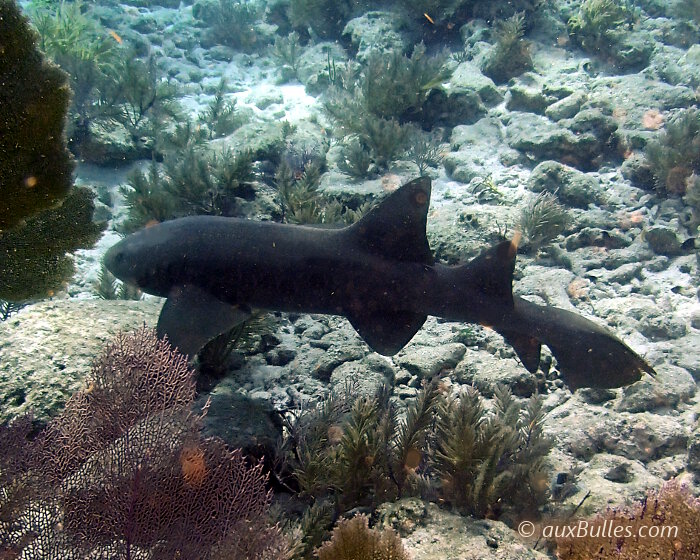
(361, 452)
(124, 472)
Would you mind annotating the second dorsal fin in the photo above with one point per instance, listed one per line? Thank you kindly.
(492, 271)
(395, 228)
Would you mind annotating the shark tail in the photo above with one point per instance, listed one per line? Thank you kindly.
(587, 354)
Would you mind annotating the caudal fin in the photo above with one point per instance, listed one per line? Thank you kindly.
(587, 354)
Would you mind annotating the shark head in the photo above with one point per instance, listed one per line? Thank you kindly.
(132, 260)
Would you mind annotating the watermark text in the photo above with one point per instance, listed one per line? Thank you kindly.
(608, 529)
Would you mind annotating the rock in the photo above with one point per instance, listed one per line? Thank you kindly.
(264, 99)
(596, 237)
(684, 353)
(311, 328)
(247, 421)
(584, 430)
(459, 166)
(611, 481)
(404, 516)
(651, 320)
(48, 348)
(570, 185)
(314, 71)
(261, 138)
(663, 241)
(593, 130)
(527, 94)
(485, 130)
(374, 31)
(436, 534)
(427, 362)
(538, 136)
(672, 386)
(110, 143)
(485, 372)
(280, 356)
(632, 50)
(359, 377)
(578, 141)
(451, 108)
(468, 77)
(336, 356)
(663, 327)
(694, 453)
(637, 170)
(565, 108)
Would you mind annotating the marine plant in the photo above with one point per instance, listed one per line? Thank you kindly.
(36, 260)
(231, 22)
(387, 139)
(108, 287)
(75, 41)
(424, 150)
(125, 472)
(396, 86)
(213, 358)
(353, 540)
(139, 94)
(665, 524)
(185, 135)
(384, 139)
(310, 531)
(43, 218)
(360, 452)
(335, 212)
(286, 51)
(195, 182)
(355, 159)
(7, 308)
(542, 220)
(595, 25)
(689, 10)
(439, 11)
(488, 462)
(220, 117)
(390, 89)
(692, 199)
(298, 193)
(325, 18)
(511, 55)
(674, 155)
(485, 189)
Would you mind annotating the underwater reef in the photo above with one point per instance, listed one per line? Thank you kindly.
(574, 124)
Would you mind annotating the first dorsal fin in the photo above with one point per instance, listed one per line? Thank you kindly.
(395, 229)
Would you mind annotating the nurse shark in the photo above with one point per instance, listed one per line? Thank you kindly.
(378, 272)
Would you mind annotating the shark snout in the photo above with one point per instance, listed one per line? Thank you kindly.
(117, 262)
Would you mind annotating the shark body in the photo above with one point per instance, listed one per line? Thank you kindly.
(379, 273)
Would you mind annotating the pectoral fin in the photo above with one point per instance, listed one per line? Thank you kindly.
(191, 317)
(389, 331)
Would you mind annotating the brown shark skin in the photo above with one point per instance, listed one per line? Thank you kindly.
(348, 272)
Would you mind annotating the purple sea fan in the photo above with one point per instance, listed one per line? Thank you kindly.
(123, 472)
